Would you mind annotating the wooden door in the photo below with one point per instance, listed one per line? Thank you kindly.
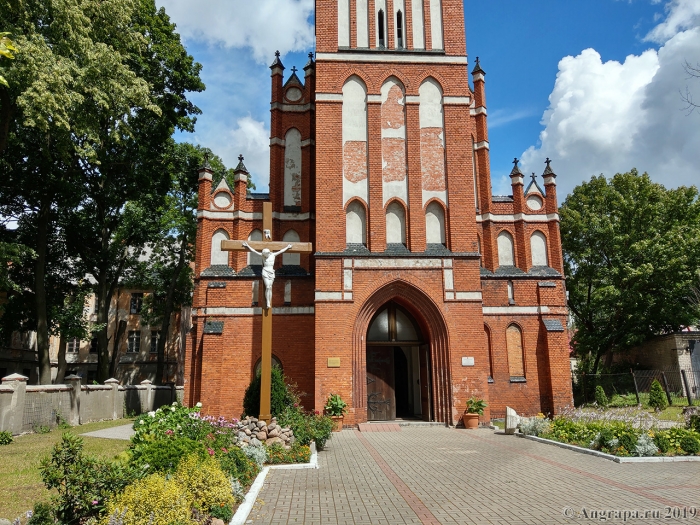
(381, 401)
(424, 353)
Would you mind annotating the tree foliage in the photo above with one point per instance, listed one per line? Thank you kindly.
(632, 254)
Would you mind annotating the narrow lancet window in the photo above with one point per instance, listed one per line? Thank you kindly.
(399, 30)
(380, 28)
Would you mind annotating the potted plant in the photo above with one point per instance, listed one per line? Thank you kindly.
(475, 408)
(336, 408)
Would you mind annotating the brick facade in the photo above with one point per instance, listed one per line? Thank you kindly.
(456, 292)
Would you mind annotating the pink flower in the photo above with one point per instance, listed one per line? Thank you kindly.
(211, 451)
(95, 502)
(296, 405)
(169, 432)
(223, 449)
(316, 412)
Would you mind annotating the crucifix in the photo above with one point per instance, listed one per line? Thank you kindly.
(268, 250)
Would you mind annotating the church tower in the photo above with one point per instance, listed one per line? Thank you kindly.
(423, 289)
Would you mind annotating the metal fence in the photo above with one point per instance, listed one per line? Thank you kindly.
(682, 387)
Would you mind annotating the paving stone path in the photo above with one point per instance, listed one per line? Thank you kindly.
(447, 476)
(123, 432)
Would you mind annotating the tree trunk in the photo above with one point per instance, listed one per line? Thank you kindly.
(103, 301)
(42, 322)
(62, 364)
(7, 111)
(168, 311)
(117, 345)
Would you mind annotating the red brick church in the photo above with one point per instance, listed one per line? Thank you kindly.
(422, 289)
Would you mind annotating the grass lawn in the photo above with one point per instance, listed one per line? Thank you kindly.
(20, 481)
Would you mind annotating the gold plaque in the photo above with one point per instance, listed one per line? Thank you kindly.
(334, 362)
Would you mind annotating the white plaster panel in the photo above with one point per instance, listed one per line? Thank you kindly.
(222, 200)
(506, 249)
(218, 256)
(457, 101)
(347, 279)
(436, 24)
(291, 259)
(440, 195)
(354, 110)
(412, 99)
(393, 59)
(329, 296)
(468, 296)
(287, 310)
(418, 24)
(352, 190)
(292, 108)
(347, 296)
(347, 263)
(205, 176)
(538, 247)
(398, 263)
(517, 217)
(434, 224)
(329, 97)
(255, 235)
(343, 23)
(395, 188)
(514, 310)
(449, 296)
(362, 24)
(478, 76)
(447, 263)
(478, 111)
(255, 292)
(274, 141)
(481, 145)
(246, 216)
(294, 94)
(395, 224)
(449, 279)
(534, 202)
(288, 291)
(292, 168)
(430, 105)
(355, 224)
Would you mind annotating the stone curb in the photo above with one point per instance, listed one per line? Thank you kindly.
(243, 511)
(610, 457)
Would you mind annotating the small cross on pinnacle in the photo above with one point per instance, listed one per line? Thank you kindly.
(311, 55)
(477, 61)
(515, 160)
(534, 177)
(277, 54)
(240, 158)
(547, 162)
(294, 69)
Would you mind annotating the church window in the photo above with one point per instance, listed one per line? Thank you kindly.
(292, 169)
(489, 351)
(134, 342)
(514, 343)
(395, 182)
(354, 140)
(219, 257)
(395, 224)
(256, 292)
(392, 323)
(506, 250)
(538, 247)
(511, 293)
(399, 30)
(476, 176)
(436, 24)
(291, 259)
(380, 29)
(434, 224)
(254, 260)
(355, 224)
(432, 141)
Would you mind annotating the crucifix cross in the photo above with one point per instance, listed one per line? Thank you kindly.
(268, 250)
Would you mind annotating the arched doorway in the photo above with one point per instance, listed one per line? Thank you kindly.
(398, 367)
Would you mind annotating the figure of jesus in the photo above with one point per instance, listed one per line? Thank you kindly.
(268, 270)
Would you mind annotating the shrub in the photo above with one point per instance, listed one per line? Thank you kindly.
(83, 483)
(690, 444)
(535, 426)
(661, 440)
(645, 446)
(6, 438)
(600, 398)
(174, 420)
(153, 500)
(257, 454)
(281, 394)
(693, 423)
(657, 396)
(224, 513)
(41, 515)
(207, 484)
(297, 453)
(239, 466)
(165, 455)
(627, 441)
(335, 406)
(307, 427)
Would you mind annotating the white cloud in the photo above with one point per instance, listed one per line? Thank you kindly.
(608, 117)
(261, 25)
(501, 117)
(682, 15)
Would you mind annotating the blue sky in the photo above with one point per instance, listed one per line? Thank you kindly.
(613, 104)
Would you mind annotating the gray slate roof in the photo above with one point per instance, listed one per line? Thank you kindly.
(214, 327)
(553, 325)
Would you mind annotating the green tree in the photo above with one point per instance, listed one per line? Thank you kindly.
(95, 95)
(631, 251)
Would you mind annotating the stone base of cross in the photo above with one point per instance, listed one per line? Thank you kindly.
(268, 250)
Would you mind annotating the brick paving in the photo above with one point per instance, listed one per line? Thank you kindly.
(439, 475)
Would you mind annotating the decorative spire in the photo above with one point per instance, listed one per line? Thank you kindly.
(311, 62)
(241, 167)
(477, 68)
(277, 62)
(205, 164)
(548, 172)
(516, 170)
(533, 186)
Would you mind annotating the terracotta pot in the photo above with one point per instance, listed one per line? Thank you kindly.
(471, 421)
(337, 423)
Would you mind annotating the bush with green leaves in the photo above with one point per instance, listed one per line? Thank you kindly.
(657, 396)
(6, 437)
(690, 444)
(600, 398)
(307, 426)
(282, 395)
(83, 483)
(164, 455)
(693, 422)
(297, 453)
(645, 446)
(41, 515)
(535, 426)
(238, 465)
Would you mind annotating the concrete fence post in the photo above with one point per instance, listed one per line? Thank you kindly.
(74, 382)
(117, 407)
(149, 395)
(18, 383)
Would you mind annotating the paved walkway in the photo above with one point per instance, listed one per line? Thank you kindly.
(121, 432)
(447, 476)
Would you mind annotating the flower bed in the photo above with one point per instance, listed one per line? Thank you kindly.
(616, 437)
(181, 467)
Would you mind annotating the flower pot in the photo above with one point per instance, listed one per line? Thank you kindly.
(337, 423)
(471, 421)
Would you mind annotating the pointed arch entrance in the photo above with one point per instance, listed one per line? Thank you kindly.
(426, 319)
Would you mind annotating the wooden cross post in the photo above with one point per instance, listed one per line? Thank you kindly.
(269, 249)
